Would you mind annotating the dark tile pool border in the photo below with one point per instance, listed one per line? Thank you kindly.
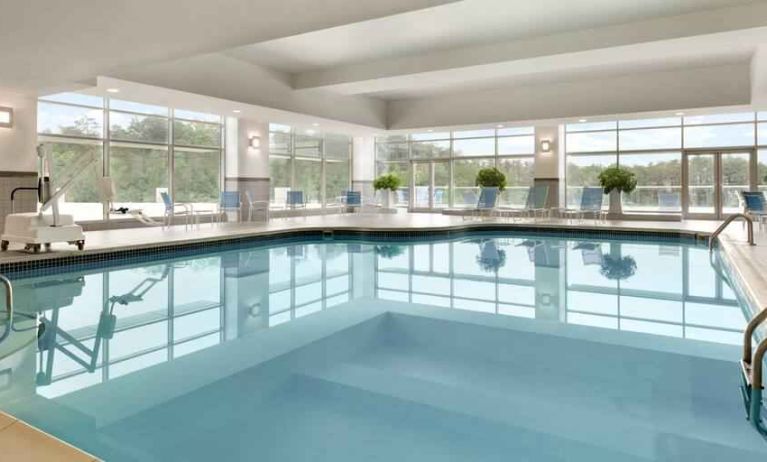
(155, 251)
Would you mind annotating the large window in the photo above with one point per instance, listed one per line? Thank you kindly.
(467, 151)
(131, 143)
(317, 164)
(652, 149)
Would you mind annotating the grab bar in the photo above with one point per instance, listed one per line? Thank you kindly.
(8, 297)
(729, 220)
(752, 365)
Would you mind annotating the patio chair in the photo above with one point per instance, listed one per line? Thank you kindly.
(486, 202)
(351, 200)
(171, 211)
(591, 204)
(754, 205)
(255, 206)
(295, 200)
(536, 203)
(229, 201)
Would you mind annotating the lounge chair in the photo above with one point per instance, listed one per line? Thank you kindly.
(171, 211)
(229, 201)
(295, 200)
(754, 205)
(255, 206)
(351, 201)
(591, 204)
(485, 204)
(535, 204)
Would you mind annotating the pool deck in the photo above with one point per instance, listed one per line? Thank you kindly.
(27, 443)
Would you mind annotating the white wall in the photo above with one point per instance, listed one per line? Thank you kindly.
(363, 161)
(17, 144)
(547, 163)
(727, 85)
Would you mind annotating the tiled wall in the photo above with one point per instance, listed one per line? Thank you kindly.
(26, 201)
(553, 184)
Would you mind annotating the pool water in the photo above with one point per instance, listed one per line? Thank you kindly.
(486, 347)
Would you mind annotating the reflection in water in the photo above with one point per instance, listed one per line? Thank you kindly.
(102, 324)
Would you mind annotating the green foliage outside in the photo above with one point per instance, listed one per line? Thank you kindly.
(618, 179)
(139, 170)
(491, 178)
(388, 181)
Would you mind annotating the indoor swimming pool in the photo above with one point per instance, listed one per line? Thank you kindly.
(488, 346)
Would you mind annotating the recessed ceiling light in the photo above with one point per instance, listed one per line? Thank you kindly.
(310, 132)
(582, 120)
(113, 90)
(315, 124)
(499, 126)
(680, 113)
(429, 130)
(236, 111)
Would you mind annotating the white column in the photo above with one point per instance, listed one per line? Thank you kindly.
(547, 164)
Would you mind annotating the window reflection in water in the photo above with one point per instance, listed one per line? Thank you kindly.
(653, 288)
(103, 324)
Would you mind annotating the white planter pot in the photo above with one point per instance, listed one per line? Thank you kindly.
(385, 198)
(616, 207)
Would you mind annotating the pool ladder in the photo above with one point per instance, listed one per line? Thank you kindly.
(751, 365)
(8, 306)
(725, 223)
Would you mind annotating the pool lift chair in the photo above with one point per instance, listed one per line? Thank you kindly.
(36, 229)
(751, 366)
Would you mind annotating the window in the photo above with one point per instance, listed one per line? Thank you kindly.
(462, 154)
(196, 175)
(318, 165)
(137, 156)
(652, 149)
(659, 181)
(140, 173)
(582, 170)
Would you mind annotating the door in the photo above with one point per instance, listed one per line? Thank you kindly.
(712, 180)
(431, 185)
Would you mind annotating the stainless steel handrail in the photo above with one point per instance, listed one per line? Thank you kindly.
(752, 365)
(8, 297)
(729, 220)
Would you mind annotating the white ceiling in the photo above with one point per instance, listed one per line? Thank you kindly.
(378, 64)
(460, 24)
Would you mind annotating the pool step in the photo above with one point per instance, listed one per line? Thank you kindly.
(540, 410)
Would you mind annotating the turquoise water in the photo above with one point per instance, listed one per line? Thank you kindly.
(488, 347)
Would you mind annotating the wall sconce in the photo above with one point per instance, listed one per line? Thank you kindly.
(6, 117)
(255, 142)
(545, 145)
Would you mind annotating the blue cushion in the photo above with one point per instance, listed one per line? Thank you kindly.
(754, 201)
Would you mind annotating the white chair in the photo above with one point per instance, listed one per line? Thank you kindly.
(255, 206)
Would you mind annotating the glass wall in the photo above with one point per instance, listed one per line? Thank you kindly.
(653, 150)
(131, 143)
(512, 150)
(317, 164)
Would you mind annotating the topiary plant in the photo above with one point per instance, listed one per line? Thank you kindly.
(389, 181)
(491, 177)
(617, 178)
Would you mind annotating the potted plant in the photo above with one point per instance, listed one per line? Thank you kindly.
(387, 183)
(491, 177)
(614, 181)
